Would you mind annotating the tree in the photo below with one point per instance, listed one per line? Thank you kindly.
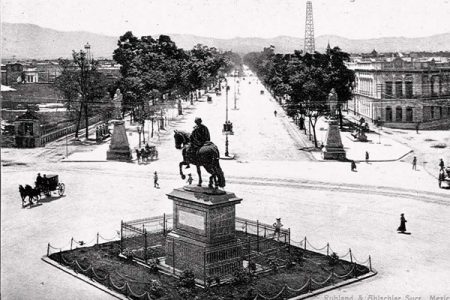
(306, 78)
(82, 85)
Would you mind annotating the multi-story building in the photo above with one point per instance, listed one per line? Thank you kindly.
(402, 91)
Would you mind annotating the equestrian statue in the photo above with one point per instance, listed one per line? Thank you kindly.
(197, 149)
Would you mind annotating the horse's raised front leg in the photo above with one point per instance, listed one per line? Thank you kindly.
(199, 173)
(181, 169)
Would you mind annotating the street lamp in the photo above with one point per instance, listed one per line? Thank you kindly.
(143, 130)
(228, 126)
(139, 132)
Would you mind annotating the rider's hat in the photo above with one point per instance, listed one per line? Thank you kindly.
(198, 120)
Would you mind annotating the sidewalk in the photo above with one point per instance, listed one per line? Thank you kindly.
(381, 147)
(97, 153)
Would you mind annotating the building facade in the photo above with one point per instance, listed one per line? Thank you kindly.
(402, 92)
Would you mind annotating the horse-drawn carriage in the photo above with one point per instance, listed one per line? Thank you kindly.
(146, 153)
(444, 177)
(52, 185)
(46, 185)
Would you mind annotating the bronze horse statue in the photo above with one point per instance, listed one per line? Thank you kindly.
(207, 156)
(31, 193)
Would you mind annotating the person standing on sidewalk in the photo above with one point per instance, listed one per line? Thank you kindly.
(367, 156)
(155, 180)
(417, 127)
(414, 163)
(441, 164)
(275, 113)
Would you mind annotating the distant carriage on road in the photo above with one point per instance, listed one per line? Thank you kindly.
(149, 152)
(444, 178)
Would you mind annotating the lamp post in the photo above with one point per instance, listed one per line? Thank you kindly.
(143, 131)
(235, 97)
(139, 132)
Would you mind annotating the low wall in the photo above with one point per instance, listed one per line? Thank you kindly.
(429, 125)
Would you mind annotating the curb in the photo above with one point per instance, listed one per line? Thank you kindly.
(83, 161)
(370, 160)
(333, 287)
(84, 278)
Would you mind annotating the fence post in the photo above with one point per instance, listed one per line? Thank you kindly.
(60, 257)
(289, 245)
(71, 241)
(309, 284)
(304, 243)
(164, 224)
(97, 237)
(121, 235)
(370, 263)
(145, 245)
(328, 249)
(245, 227)
(249, 252)
(48, 249)
(257, 235)
(265, 229)
(351, 257)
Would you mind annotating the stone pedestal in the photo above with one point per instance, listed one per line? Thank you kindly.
(204, 236)
(333, 144)
(119, 149)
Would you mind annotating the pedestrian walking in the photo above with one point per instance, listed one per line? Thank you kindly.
(441, 164)
(189, 180)
(155, 180)
(402, 227)
(417, 127)
(275, 113)
(353, 166)
(367, 156)
(414, 163)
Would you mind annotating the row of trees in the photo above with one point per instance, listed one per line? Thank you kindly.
(153, 67)
(306, 79)
(83, 87)
(149, 69)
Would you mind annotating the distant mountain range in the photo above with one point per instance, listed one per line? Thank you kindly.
(35, 42)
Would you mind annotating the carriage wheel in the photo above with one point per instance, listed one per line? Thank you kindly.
(61, 188)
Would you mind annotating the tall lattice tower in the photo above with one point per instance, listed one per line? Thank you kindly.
(309, 29)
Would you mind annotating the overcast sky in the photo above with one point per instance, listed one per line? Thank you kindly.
(231, 18)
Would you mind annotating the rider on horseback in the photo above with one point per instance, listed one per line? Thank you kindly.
(200, 135)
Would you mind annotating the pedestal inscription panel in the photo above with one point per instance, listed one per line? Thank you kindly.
(191, 220)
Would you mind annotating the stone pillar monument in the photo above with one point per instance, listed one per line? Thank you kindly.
(117, 102)
(333, 149)
(204, 235)
(119, 149)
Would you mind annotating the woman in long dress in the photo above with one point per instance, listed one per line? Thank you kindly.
(402, 227)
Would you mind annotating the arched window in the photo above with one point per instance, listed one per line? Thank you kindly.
(409, 114)
(398, 114)
(388, 114)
